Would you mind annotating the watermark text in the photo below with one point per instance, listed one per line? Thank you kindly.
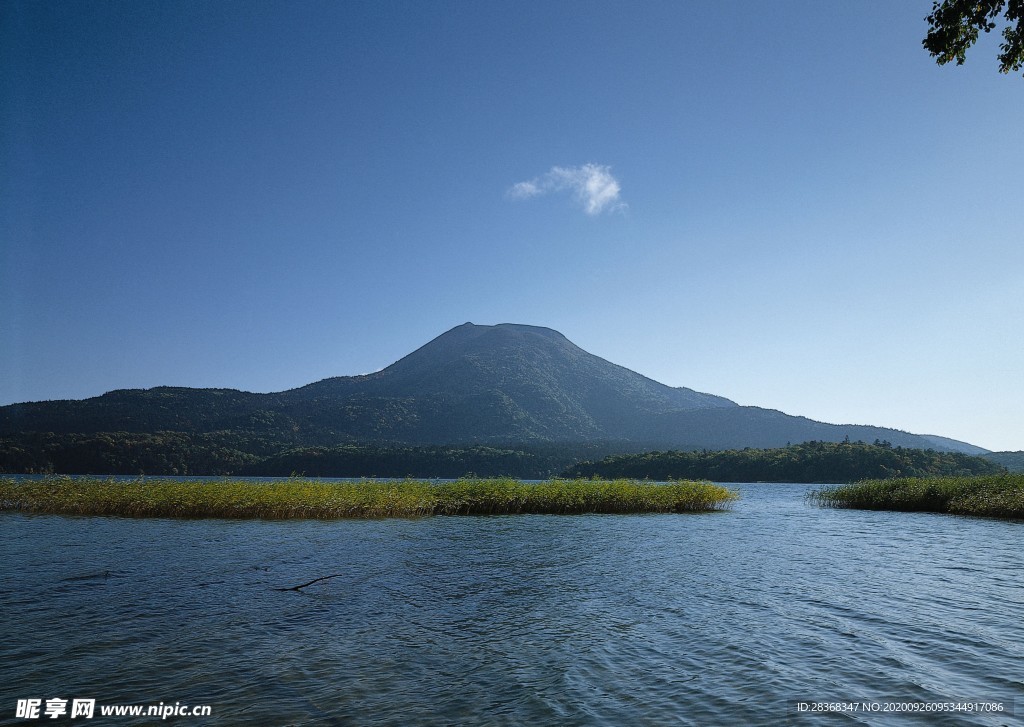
(74, 708)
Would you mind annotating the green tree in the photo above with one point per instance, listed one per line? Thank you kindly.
(954, 26)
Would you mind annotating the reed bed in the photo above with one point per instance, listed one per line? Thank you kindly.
(315, 499)
(999, 496)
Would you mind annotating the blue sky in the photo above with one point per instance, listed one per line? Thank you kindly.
(789, 204)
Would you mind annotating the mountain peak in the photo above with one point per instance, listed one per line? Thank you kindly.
(471, 339)
(470, 327)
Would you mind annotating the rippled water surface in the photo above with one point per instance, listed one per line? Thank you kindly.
(726, 618)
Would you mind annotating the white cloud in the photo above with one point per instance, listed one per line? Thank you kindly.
(592, 185)
(524, 190)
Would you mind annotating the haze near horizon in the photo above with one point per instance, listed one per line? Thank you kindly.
(790, 206)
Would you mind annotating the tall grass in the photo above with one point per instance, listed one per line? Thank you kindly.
(984, 495)
(303, 498)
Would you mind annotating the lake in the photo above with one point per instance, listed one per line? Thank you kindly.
(703, 619)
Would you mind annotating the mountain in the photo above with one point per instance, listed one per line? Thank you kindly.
(501, 384)
(509, 383)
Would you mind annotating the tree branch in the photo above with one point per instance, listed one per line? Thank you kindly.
(315, 580)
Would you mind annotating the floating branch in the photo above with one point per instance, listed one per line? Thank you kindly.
(315, 580)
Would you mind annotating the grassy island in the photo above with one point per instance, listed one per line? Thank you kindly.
(988, 496)
(314, 499)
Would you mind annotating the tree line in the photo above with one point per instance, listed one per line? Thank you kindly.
(824, 462)
(263, 454)
(257, 454)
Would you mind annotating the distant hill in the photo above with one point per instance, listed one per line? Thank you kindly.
(1013, 461)
(945, 443)
(496, 385)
